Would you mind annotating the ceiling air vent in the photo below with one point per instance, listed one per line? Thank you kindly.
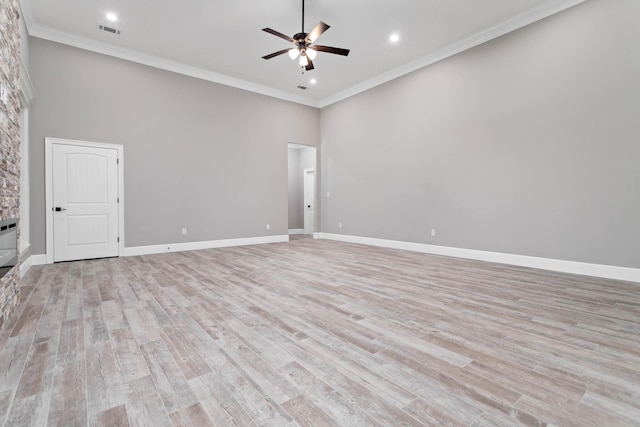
(302, 87)
(109, 29)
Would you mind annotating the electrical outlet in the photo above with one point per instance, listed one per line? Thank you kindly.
(268, 226)
(328, 194)
(433, 232)
(184, 230)
(339, 225)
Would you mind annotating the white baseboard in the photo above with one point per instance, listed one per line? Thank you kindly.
(26, 262)
(296, 231)
(597, 270)
(25, 266)
(176, 247)
(30, 262)
(211, 244)
(38, 259)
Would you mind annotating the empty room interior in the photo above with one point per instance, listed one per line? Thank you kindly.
(320, 213)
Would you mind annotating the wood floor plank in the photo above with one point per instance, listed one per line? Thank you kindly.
(112, 417)
(13, 356)
(193, 415)
(189, 361)
(95, 328)
(220, 402)
(167, 377)
(68, 405)
(259, 403)
(105, 385)
(131, 363)
(71, 343)
(28, 320)
(315, 332)
(29, 411)
(5, 404)
(434, 415)
(144, 406)
(144, 328)
(37, 370)
(306, 413)
(333, 403)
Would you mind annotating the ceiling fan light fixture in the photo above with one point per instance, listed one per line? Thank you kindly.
(311, 53)
(293, 53)
(303, 60)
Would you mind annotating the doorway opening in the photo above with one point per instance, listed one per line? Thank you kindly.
(302, 189)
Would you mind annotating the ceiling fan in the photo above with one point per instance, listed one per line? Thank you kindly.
(304, 46)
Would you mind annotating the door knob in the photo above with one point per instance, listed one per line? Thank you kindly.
(59, 209)
(308, 206)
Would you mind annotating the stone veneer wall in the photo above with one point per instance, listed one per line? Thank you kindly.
(9, 143)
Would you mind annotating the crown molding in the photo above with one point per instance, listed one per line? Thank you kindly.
(68, 39)
(26, 13)
(541, 11)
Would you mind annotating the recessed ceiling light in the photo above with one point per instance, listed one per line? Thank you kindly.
(112, 17)
(394, 37)
(313, 81)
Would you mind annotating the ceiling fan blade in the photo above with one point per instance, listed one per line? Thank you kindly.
(276, 33)
(280, 52)
(329, 49)
(316, 32)
(309, 66)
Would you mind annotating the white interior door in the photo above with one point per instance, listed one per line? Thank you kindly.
(309, 200)
(85, 202)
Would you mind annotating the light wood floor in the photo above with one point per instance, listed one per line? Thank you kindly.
(320, 333)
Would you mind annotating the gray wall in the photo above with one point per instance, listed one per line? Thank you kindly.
(198, 155)
(299, 160)
(529, 144)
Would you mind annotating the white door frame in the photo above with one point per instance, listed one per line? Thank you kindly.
(48, 173)
(304, 191)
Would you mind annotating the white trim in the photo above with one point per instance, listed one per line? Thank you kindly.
(26, 13)
(25, 264)
(25, 186)
(27, 91)
(24, 249)
(543, 10)
(40, 259)
(194, 246)
(304, 194)
(296, 231)
(48, 170)
(586, 269)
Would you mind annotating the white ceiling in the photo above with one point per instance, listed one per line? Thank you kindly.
(222, 41)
